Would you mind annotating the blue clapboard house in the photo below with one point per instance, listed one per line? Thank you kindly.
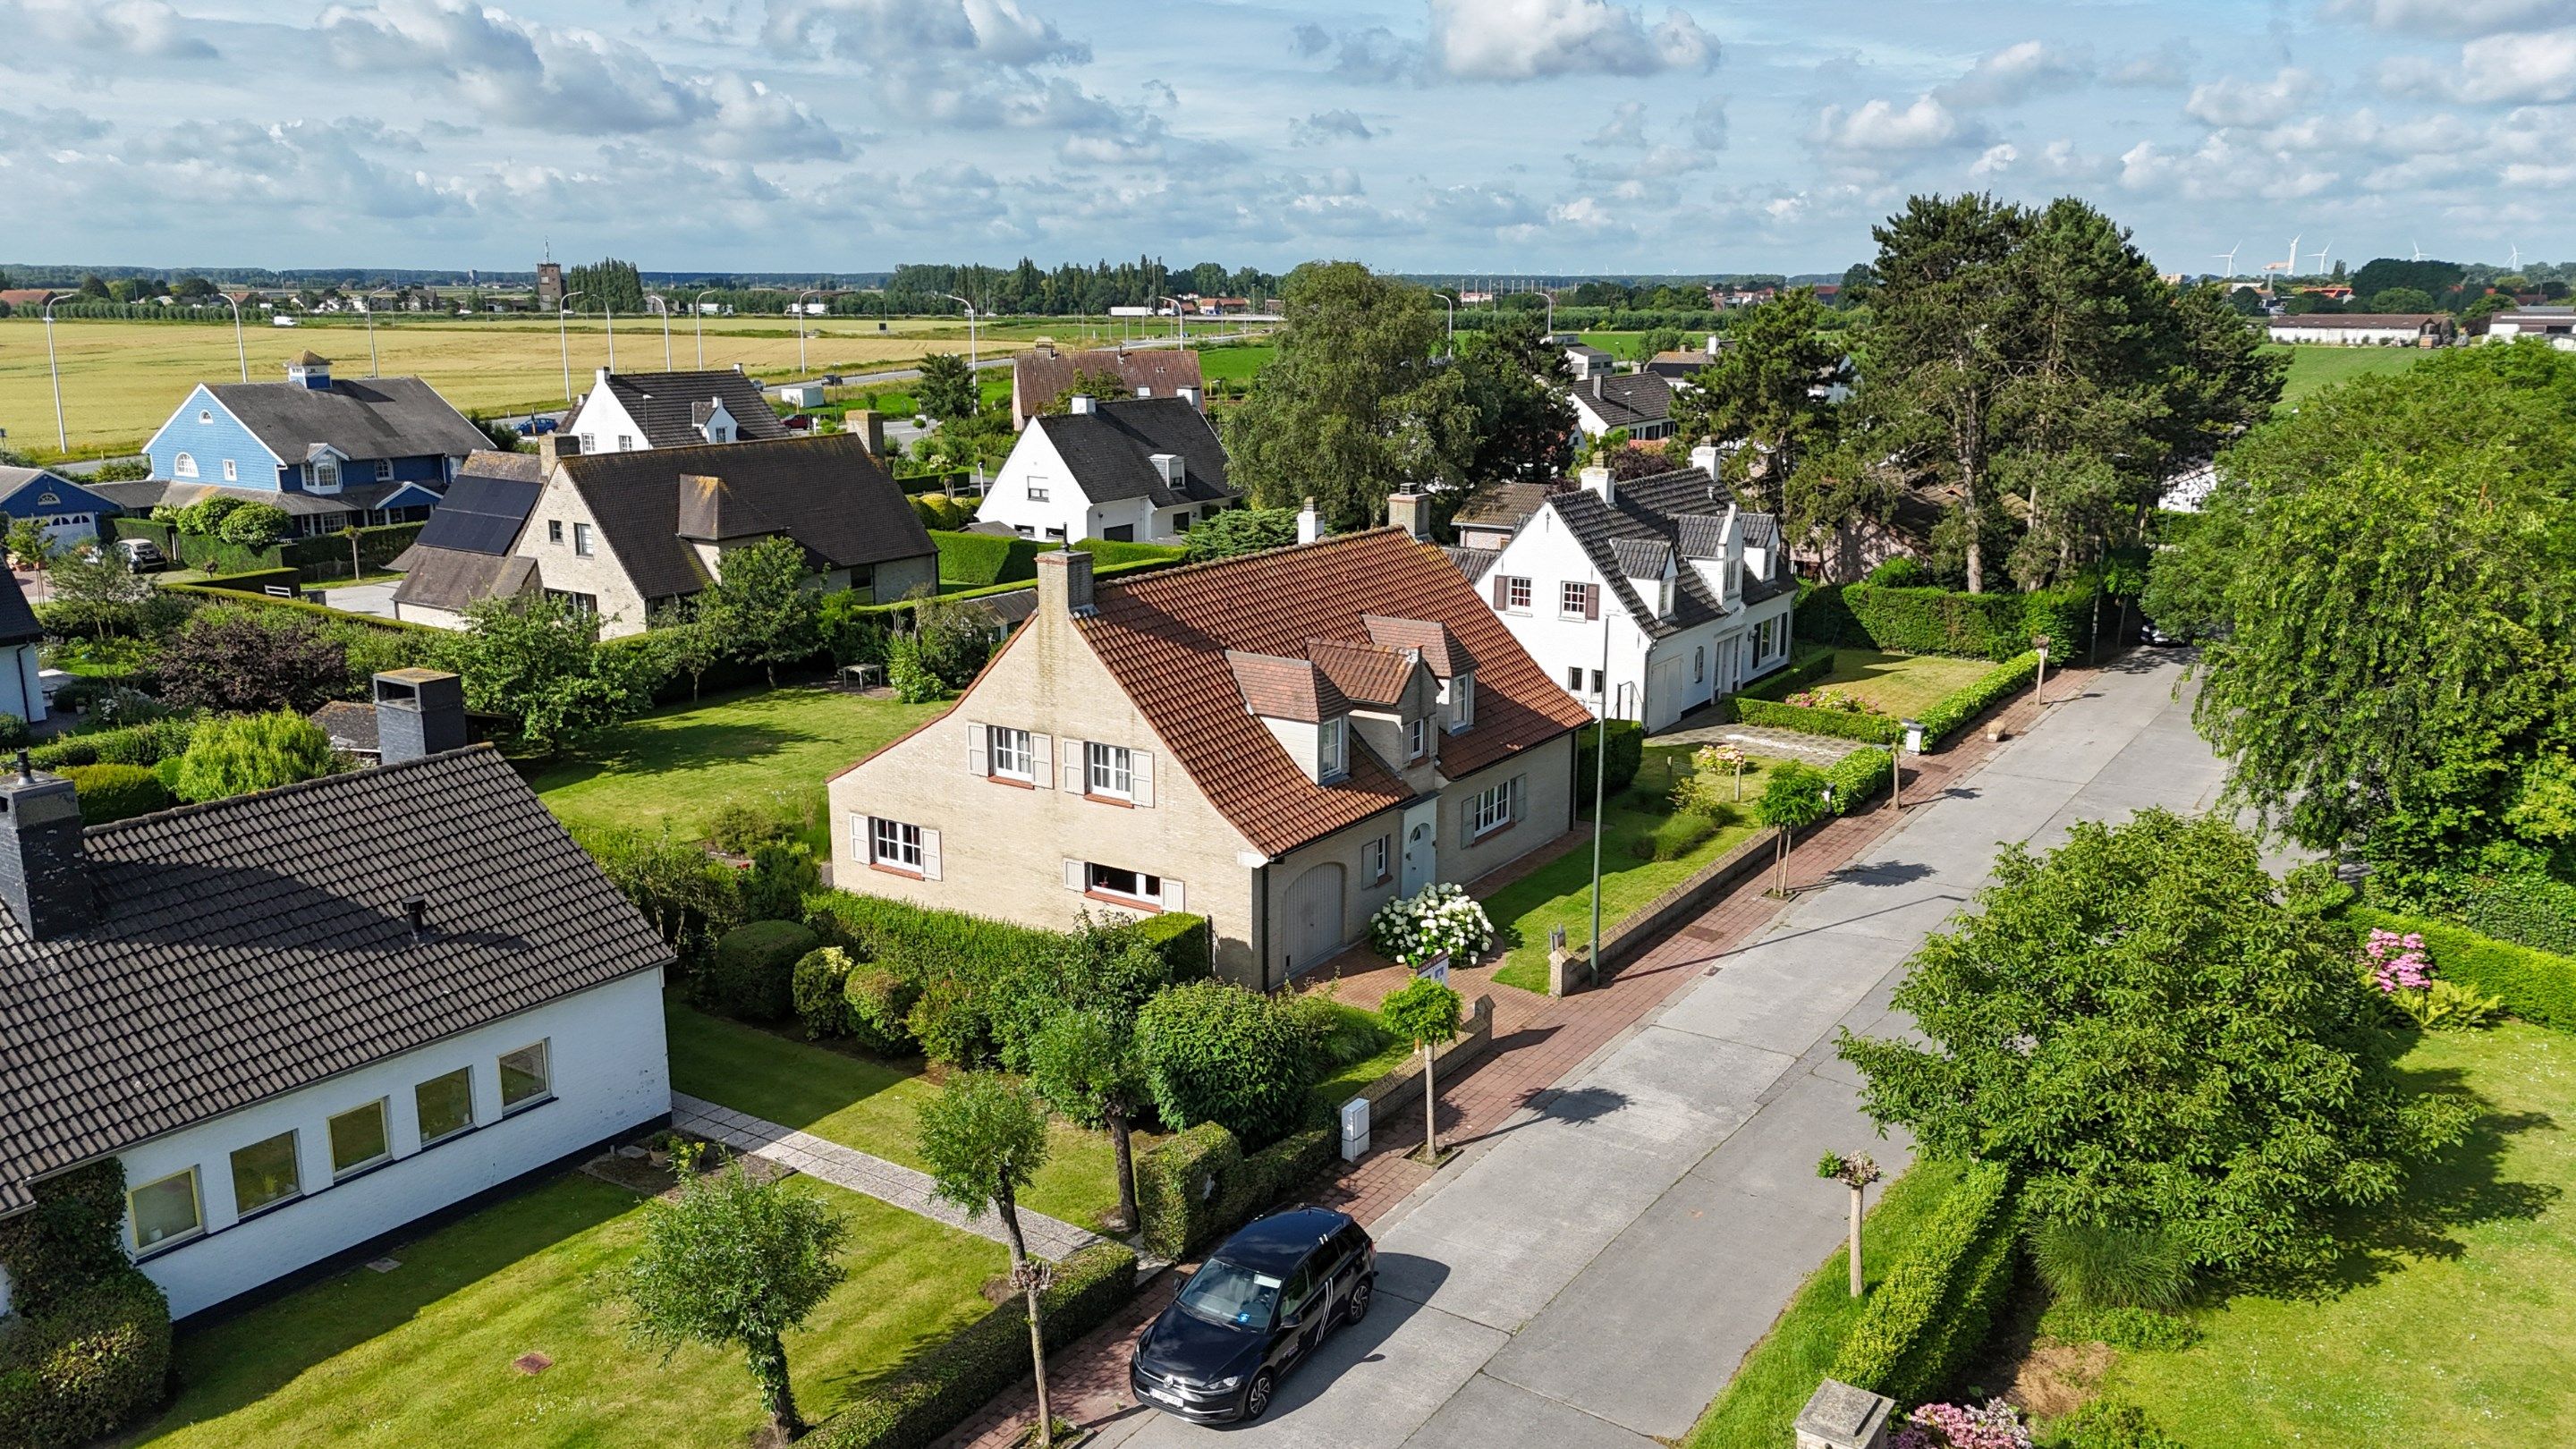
(333, 452)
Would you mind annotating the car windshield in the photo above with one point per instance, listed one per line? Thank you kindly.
(1223, 1293)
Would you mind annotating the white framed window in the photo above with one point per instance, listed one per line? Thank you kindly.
(359, 1140)
(527, 1077)
(893, 844)
(626, 442)
(1037, 490)
(581, 539)
(384, 470)
(554, 530)
(1417, 739)
(1489, 810)
(232, 471)
(445, 1105)
(265, 1174)
(184, 466)
(205, 415)
(1571, 599)
(1464, 687)
(1332, 748)
(1109, 770)
(166, 1211)
(326, 472)
(1128, 885)
(1574, 679)
(1012, 759)
(1516, 593)
(1373, 858)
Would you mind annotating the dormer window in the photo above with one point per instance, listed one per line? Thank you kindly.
(1462, 702)
(1332, 748)
(326, 472)
(1417, 738)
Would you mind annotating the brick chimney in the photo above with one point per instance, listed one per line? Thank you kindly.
(1410, 512)
(44, 880)
(1597, 481)
(1705, 458)
(419, 712)
(869, 425)
(553, 448)
(1064, 585)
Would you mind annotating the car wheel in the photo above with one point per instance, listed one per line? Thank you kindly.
(1360, 1295)
(1256, 1399)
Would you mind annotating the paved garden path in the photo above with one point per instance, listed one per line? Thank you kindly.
(1760, 740)
(848, 1167)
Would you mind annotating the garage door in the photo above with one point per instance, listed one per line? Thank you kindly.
(1314, 926)
(1664, 702)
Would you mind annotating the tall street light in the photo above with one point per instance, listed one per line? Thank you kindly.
(1449, 306)
(63, 439)
(563, 309)
(608, 310)
(700, 308)
(665, 309)
(1180, 317)
(971, 362)
(1600, 806)
(366, 301)
(800, 331)
(239, 351)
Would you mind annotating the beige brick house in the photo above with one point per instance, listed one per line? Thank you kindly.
(1281, 743)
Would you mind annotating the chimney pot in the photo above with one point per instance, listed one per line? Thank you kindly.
(44, 878)
(1310, 524)
(1704, 458)
(599, 375)
(419, 712)
(1411, 512)
(1064, 584)
(1597, 480)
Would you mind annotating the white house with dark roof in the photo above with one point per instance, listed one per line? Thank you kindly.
(406, 991)
(1133, 470)
(1641, 403)
(21, 640)
(626, 412)
(1687, 595)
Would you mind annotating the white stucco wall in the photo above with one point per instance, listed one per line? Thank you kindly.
(1066, 514)
(604, 420)
(609, 1072)
(20, 694)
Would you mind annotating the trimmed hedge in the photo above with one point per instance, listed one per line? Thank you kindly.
(117, 792)
(1859, 777)
(2538, 986)
(148, 743)
(1931, 1314)
(424, 632)
(257, 581)
(2532, 911)
(86, 1368)
(1627, 744)
(1809, 663)
(753, 976)
(1939, 621)
(987, 558)
(1961, 706)
(918, 1404)
(918, 942)
(1185, 942)
(1180, 1189)
(1840, 724)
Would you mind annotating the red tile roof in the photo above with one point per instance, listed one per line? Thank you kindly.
(1439, 648)
(1364, 673)
(1285, 688)
(1165, 638)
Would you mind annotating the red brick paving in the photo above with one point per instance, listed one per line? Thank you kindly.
(1538, 1043)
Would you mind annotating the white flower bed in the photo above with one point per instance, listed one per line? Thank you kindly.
(1443, 919)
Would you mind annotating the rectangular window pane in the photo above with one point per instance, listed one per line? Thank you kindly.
(165, 1211)
(523, 1076)
(1112, 770)
(1011, 753)
(264, 1172)
(446, 1104)
(581, 539)
(891, 842)
(1517, 594)
(358, 1139)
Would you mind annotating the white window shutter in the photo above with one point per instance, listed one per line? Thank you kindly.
(979, 756)
(1041, 760)
(1466, 821)
(1520, 796)
(1173, 899)
(859, 838)
(1144, 768)
(1073, 782)
(930, 855)
(1073, 875)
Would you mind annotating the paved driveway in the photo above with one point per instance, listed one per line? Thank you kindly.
(1590, 1278)
(376, 599)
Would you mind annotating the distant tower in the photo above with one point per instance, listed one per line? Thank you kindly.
(550, 291)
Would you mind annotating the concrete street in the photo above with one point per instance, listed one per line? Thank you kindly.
(1590, 1274)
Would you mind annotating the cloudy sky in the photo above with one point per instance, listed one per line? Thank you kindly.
(1481, 135)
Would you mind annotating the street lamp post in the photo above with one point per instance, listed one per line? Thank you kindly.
(62, 438)
(1450, 307)
(699, 307)
(240, 352)
(800, 330)
(563, 338)
(663, 307)
(608, 310)
(1180, 318)
(971, 361)
(1551, 315)
(2039, 689)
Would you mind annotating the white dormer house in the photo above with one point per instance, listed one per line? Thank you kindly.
(628, 412)
(1690, 595)
(1132, 470)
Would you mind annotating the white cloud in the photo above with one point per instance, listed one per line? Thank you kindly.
(2223, 167)
(1880, 126)
(2167, 67)
(1323, 128)
(2018, 72)
(1708, 124)
(1514, 40)
(54, 34)
(2236, 101)
(1625, 128)
(2496, 69)
(2452, 17)
(898, 31)
(1997, 160)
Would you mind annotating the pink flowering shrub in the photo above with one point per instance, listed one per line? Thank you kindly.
(1992, 1425)
(2397, 963)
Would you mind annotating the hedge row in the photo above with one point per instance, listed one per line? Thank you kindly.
(321, 611)
(110, 793)
(1807, 665)
(1956, 709)
(1930, 1315)
(1840, 724)
(921, 1402)
(2532, 911)
(257, 581)
(323, 556)
(87, 1368)
(2538, 986)
(148, 743)
(989, 558)
(1858, 777)
(1627, 754)
(1194, 1187)
(1939, 621)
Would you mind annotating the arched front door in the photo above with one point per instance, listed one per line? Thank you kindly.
(1314, 925)
(1421, 847)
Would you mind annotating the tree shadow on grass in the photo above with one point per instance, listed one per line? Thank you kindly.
(676, 752)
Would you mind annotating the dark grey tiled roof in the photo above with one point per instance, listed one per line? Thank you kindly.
(1473, 562)
(666, 406)
(827, 493)
(1627, 399)
(1666, 509)
(257, 945)
(17, 622)
(1642, 558)
(350, 724)
(452, 578)
(1700, 535)
(370, 417)
(1110, 451)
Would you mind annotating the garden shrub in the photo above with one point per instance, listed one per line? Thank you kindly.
(148, 743)
(2106, 1267)
(1184, 940)
(13, 732)
(1180, 1185)
(1840, 724)
(1275, 1173)
(1678, 835)
(85, 1367)
(776, 885)
(1441, 919)
(689, 900)
(819, 989)
(1897, 573)
(1961, 706)
(2537, 986)
(1931, 1313)
(2110, 1424)
(741, 826)
(117, 792)
(879, 1004)
(949, 1022)
(242, 753)
(753, 975)
(919, 1403)
(1214, 1052)
(68, 1240)
(1627, 752)
(1337, 1035)
(1859, 777)
(908, 675)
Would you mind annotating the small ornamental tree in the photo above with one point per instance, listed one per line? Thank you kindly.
(1793, 796)
(735, 1261)
(30, 547)
(537, 662)
(94, 591)
(1084, 1064)
(1856, 1172)
(947, 389)
(254, 525)
(242, 753)
(689, 643)
(1425, 1012)
(984, 1137)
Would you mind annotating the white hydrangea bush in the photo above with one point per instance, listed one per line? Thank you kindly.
(1442, 919)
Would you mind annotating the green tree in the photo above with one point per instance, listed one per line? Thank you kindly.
(1764, 392)
(735, 1261)
(94, 590)
(1241, 531)
(947, 388)
(2403, 299)
(956, 636)
(688, 642)
(1356, 404)
(1084, 1064)
(254, 525)
(241, 753)
(537, 662)
(1524, 426)
(2153, 1043)
(1792, 796)
(1424, 1012)
(606, 285)
(984, 1137)
(240, 660)
(30, 547)
(1090, 382)
(763, 603)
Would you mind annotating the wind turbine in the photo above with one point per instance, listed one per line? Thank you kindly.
(2514, 263)
(2228, 256)
(2418, 248)
(2320, 255)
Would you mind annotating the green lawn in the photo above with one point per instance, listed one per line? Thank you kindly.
(1227, 364)
(2313, 366)
(422, 1355)
(672, 768)
(864, 1103)
(1560, 892)
(1903, 685)
(1762, 1400)
(2454, 1319)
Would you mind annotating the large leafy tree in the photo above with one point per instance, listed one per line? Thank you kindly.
(236, 661)
(1356, 405)
(1765, 391)
(1524, 426)
(537, 662)
(763, 605)
(2156, 1045)
(947, 390)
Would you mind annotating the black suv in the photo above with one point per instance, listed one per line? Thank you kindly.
(1262, 1301)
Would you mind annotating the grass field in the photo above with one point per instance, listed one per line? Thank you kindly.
(2452, 1317)
(423, 1354)
(864, 1103)
(2313, 367)
(1900, 684)
(670, 769)
(1560, 892)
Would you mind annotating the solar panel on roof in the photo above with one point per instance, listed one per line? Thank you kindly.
(480, 515)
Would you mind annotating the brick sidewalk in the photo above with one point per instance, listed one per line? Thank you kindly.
(1538, 1042)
